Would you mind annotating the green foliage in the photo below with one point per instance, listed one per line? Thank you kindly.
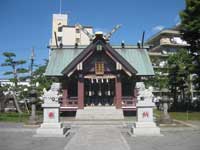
(179, 71)
(184, 116)
(8, 73)
(16, 71)
(14, 117)
(22, 70)
(9, 54)
(190, 17)
(14, 64)
(190, 27)
(39, 77)
(160, 80)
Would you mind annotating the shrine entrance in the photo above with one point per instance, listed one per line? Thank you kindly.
(99, 91)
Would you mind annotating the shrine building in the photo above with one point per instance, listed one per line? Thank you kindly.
(93, 72)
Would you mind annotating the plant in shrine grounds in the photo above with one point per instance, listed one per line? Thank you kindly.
(184, 116)
(179, 79)
(190, 28)
(16, 71)
(184, 66)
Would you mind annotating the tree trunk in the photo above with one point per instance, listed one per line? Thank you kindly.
(16, 103)
(26, 106)
(1, 106)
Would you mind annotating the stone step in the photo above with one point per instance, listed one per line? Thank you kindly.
(99, 113)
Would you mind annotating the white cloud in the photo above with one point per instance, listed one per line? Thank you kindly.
(157, 28)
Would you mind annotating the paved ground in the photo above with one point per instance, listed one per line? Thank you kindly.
(172, 140)
(93, 137)
(98, 137)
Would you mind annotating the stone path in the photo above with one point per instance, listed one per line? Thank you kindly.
(98, 137)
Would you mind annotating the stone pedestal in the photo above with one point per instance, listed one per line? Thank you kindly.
(145, 125)
(51, 126)
(165, 117)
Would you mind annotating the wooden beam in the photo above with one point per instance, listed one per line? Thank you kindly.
(80, 93)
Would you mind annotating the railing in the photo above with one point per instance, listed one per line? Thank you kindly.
(72, 105)
(73, 101)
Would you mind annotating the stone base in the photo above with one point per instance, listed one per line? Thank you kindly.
(33, 120)
(51, 130)
(165, 119)
(99, 113)
(145, 129)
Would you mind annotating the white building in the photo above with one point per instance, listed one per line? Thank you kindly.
(64, 34)
(4, 82)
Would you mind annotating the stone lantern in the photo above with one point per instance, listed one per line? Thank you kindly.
(33, 99)
(165, 117)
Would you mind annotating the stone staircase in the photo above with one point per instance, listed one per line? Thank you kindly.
(99, 113)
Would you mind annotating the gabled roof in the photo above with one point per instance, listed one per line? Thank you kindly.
(78, 59)
(135, 60)
(91, 48)
(139, 59)
(59, 59)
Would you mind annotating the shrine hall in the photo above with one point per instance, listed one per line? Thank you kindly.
(99, 74)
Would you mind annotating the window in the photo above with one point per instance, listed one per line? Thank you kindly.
(59, 38)
(99, 68)
(77, 30)
(59, 29)
(99, 47)
(78, 40)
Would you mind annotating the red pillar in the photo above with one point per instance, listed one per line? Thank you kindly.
(65, 93)
(65, 97)
(118, 93)
(80, 94)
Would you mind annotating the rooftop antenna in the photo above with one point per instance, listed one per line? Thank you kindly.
(60, 6)
(108, 35)
(90, 36)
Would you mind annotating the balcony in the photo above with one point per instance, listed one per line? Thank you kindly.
(172, 42)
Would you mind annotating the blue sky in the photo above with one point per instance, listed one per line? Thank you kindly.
(27, 23)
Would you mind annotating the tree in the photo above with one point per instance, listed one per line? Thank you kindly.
(190, 27)
(16, 70)
(39, 77)
(179, 75)
(2, 99)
